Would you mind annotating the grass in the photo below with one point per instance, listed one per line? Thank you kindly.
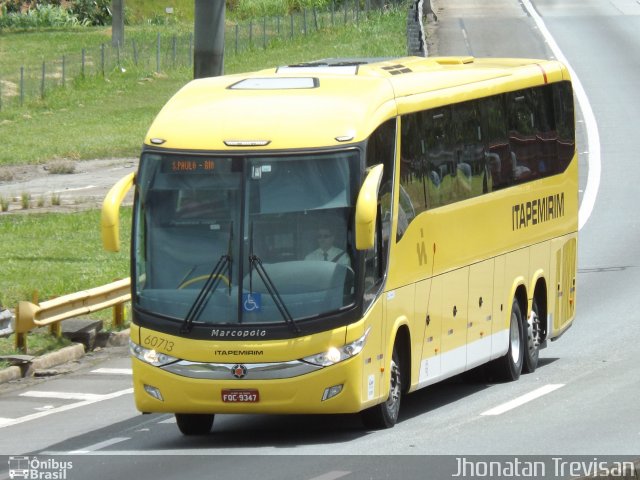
(57, 253)
(152, 10)
(98, 118)
(38, 343)
(110, 118)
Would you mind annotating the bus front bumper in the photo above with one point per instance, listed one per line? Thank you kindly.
(334, 389)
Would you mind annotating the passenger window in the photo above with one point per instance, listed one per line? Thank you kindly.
(521, 116)
(497, 147)
(412, 162)
(471, 176)
(565, 124)
(467, 149)
(441, 159)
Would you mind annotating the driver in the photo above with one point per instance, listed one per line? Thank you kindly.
(327, 251)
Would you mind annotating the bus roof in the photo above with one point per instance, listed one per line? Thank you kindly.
(329, 102)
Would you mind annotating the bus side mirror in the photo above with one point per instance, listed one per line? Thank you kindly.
(367, 209)
(110, 218)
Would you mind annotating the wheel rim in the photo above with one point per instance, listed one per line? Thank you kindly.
(515, 339)
(393, 402)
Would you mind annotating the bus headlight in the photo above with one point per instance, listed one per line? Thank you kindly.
(338, 354)
(150, 356)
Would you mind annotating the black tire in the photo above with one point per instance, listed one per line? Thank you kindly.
(385, 414)
(194, 423)
(532, 345)
(509, 367)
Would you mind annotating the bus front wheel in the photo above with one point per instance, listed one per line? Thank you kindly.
(385, 415)
(194, 424)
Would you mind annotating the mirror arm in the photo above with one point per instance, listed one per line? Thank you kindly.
(110, 218)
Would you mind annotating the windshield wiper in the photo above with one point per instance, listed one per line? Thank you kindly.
(210, 286)
(256, 262)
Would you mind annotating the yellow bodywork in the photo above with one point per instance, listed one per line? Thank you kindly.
(207, 112)
(110, 217)
(452, 276)
(366, 209)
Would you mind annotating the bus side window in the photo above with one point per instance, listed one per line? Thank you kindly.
(374, 264)
(441, 161)
(496, 142)
(546, 132)
(565, 124)
(381, 150)
(413, 187)
(521, 107)
(471, 173)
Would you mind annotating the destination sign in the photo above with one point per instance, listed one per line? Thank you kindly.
(191, 165)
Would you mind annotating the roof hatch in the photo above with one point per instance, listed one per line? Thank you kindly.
(275, 83)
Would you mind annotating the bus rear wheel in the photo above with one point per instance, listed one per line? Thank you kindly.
(194, 423)
(534, 332)
(385, 415)
(509, 367)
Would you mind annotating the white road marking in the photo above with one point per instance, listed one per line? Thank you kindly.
(61, 395)
(113, 371)
(100, 445)
(8, 422)
(168, 420)
(517, 402)
(593, 137)
(333, 475)
(45, 407)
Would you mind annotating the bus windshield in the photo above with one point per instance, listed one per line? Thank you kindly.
(245, 239)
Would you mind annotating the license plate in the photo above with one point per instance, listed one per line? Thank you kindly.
(240, 396)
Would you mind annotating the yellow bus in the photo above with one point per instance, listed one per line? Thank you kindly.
(327, 237)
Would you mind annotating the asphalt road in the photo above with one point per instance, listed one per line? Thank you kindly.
(582, 401)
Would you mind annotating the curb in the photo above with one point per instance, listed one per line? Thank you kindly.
(9, 374)
(64, 355)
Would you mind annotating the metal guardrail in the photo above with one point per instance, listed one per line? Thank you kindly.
(51, 312)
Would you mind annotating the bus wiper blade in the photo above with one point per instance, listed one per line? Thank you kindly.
(203, 296)
(209, 287)
(255, 262)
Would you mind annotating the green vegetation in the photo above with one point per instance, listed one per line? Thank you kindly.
(265, 8)
(48, 13)
(38, 343)
(97, 119)
(57, 253)
(153, 12)
(101, 118)
(41, 15)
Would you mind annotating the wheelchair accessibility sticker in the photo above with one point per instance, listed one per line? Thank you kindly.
(252, 302)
